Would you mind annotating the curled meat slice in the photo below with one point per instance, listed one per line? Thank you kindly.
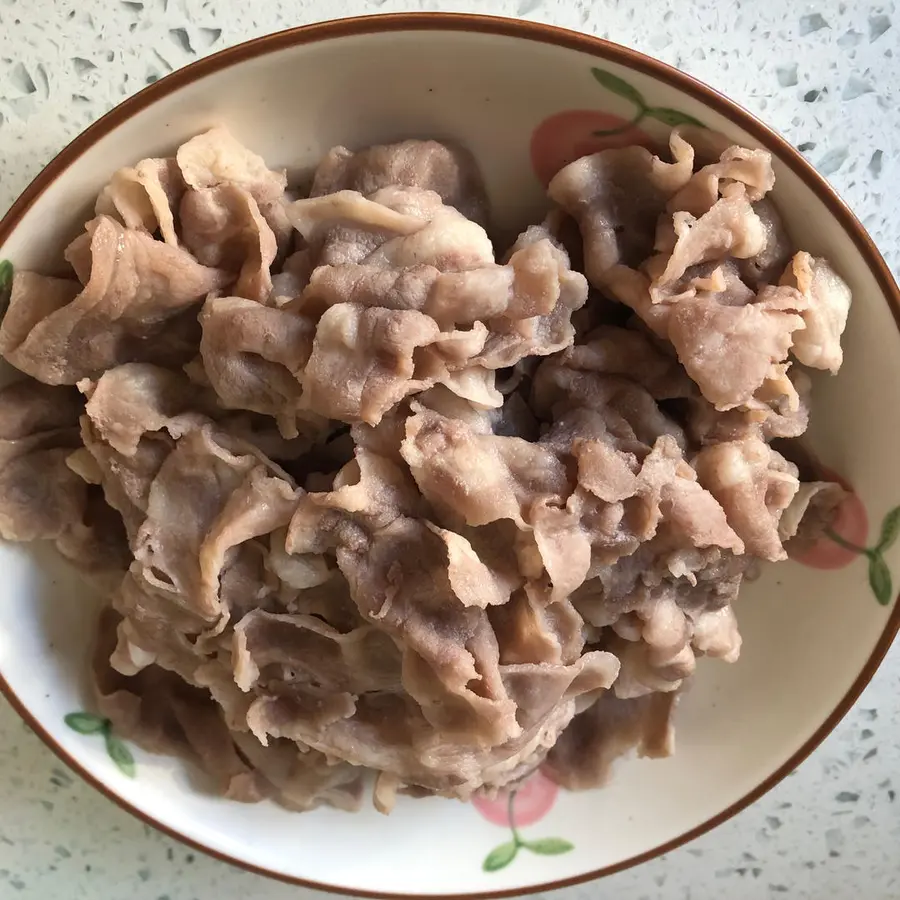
(583, 756)
(750, 168)
(136, 284)
(477, 477)
(40, 496)
(528, 286)
(33, 298)
(754, 484)
(394, 227)
(225, 498)
(366, 359)
(223, 227)
(127, 402)
(349, 209)
(825, 315)
(144, 196)
(449, 171)
(216, 158)
(28, 408)
(255, 356)
(630, 353)
(301, 649)
(730, 227)
(616, 197)
(735, 353)
(768, 265)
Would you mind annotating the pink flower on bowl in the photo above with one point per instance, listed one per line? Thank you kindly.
(566, 136)
(532, 801)
(850, 524)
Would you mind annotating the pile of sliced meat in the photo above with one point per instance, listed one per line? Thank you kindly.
(369, 500)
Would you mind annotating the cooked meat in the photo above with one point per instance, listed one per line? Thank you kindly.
(136, 284)
(364, 494)
(145, 197)
(451, 172)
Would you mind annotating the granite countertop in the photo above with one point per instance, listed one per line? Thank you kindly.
(825, 75)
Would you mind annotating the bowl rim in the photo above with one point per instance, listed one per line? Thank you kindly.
(540, 33)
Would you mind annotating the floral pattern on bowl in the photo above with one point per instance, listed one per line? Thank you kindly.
(88, 723)
(515, 809)
(566, 136)
(846, 538)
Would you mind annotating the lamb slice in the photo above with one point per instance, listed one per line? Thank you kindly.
(610, 728)
(350, 209)
(644, 670)
(450, 653)
(310, 651)
(615, 405)
(136, 285)
(393, 228)
(754, 484)
(144, 197)
(528, 286)
(28, 408)
(302, 779)
(40, 496)
(367, 495)
(632, 354)
(254, 356)
(223, 227)
(730, 228)
(291, 281)
(450, 171)
(259, 505)
(188, 496)
(388, 734)
(158, 711)
(769, 264)
(750, 168)
(716, 634)
(130, 400)
(828, 304)
(32, 299)
(670, 491)
(374, 489)
(365, 360)
(531, 631)
(370, 286)
(125, 480)
(809, 514)
(538, 689)
(216, 157)
(616, 197)
(477, 477)
(511, 341)
(736, 354)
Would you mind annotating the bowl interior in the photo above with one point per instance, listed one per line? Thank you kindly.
(808, 633)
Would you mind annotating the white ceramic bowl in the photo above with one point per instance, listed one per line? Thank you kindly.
(812, 636)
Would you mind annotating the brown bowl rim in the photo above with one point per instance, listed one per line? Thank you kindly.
(541, 33)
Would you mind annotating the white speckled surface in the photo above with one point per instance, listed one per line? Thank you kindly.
(825, 75)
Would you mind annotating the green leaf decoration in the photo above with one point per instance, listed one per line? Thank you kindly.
(86, 723)
(880, 579)
(890, 530)
(551, 846)
(120, 755)
(500, 857)
(618, 86)
(672, 117)
(6, 275)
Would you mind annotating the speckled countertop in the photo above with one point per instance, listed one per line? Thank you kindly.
(826, 75)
